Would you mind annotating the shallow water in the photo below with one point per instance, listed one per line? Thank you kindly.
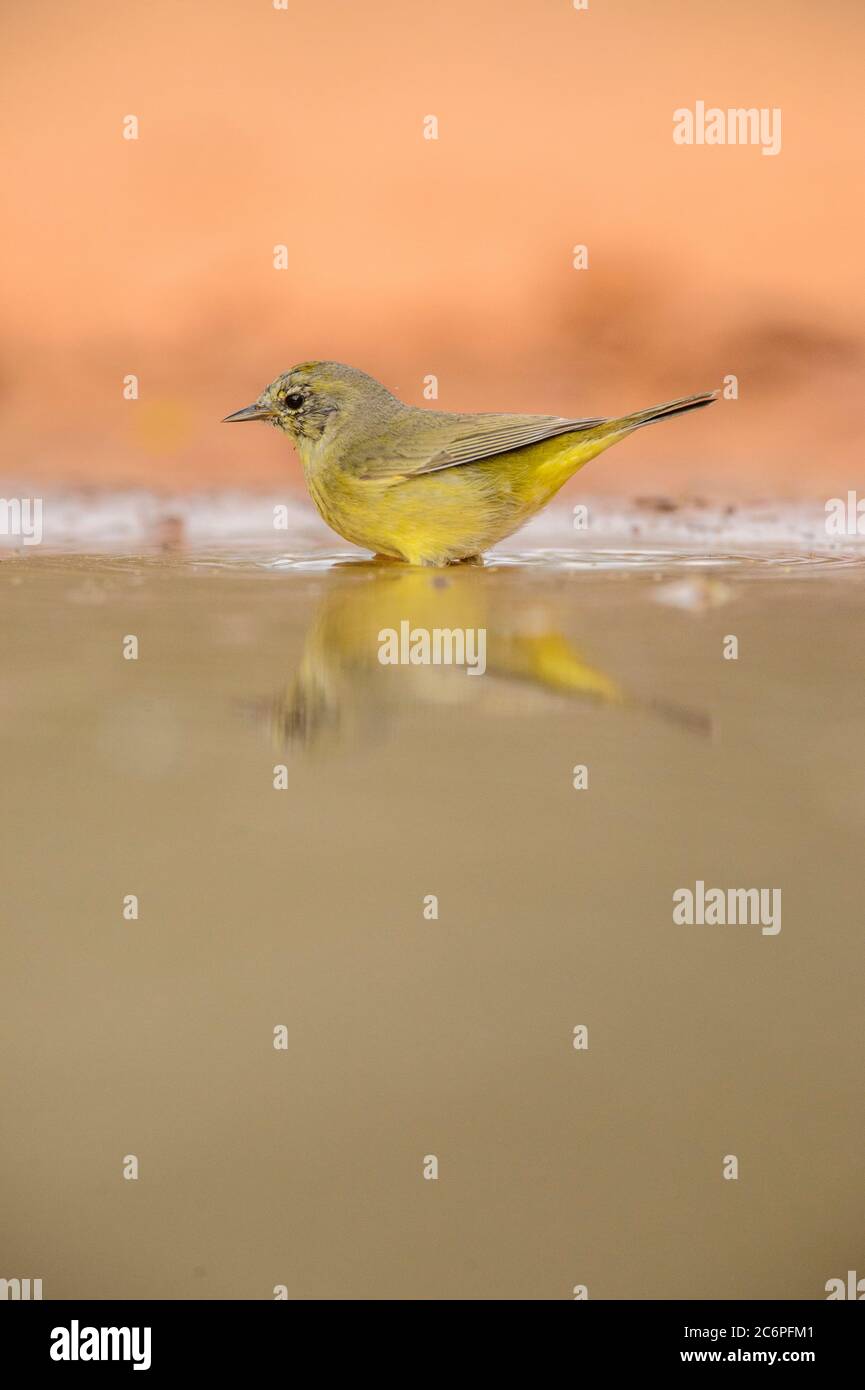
(409, 1037)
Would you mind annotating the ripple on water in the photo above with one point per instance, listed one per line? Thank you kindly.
(756, 561)
(753, 562)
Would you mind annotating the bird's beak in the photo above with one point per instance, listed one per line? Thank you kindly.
(251, 412)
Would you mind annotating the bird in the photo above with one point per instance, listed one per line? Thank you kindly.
(429, 487)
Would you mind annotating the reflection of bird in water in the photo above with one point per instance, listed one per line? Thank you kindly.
(342, 692)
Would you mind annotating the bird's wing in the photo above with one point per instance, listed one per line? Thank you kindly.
(426, 441)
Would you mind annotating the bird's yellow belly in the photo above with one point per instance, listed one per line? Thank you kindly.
(437, 518)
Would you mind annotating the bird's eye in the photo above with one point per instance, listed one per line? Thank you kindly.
(293, 401)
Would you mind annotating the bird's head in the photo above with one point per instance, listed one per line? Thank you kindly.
(314, 397)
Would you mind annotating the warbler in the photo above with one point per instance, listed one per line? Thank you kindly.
(429, 486)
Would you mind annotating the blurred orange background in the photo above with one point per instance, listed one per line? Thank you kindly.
(406, 256)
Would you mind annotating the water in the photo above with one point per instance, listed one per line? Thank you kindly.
(409, 1037)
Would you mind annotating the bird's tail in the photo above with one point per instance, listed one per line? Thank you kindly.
(592, 437)
(627, 423)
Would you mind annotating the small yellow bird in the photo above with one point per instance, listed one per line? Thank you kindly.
(428, 486)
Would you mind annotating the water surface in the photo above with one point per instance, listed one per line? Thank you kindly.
(409, 1037)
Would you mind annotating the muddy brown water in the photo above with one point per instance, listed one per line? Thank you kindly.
(406, 1035)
